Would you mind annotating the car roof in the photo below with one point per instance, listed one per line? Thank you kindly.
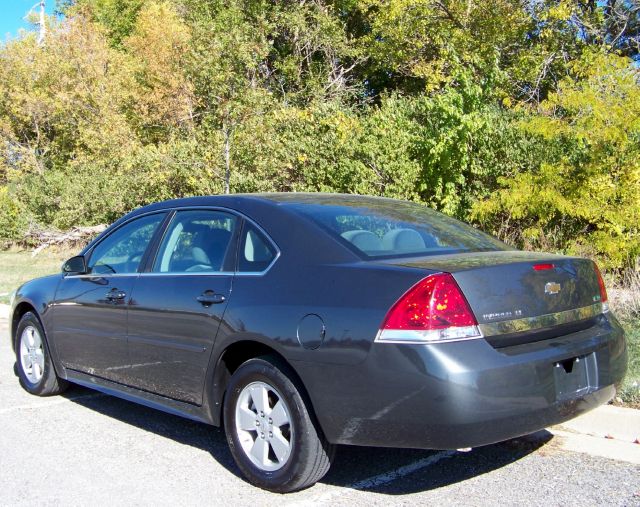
(271, 212)
(275, 198)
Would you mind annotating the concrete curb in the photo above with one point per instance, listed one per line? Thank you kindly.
(609, 422)
(617, 450)
(608, 431)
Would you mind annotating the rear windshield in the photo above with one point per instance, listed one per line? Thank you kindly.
(382, 228)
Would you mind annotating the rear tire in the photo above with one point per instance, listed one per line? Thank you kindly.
(271, 433)
(33, 361)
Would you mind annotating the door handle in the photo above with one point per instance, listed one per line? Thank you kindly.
(208, 298)
(115, 295)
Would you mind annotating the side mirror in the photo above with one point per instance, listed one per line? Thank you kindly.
(75, 266)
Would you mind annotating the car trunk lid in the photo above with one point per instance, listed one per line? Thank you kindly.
(519, 297)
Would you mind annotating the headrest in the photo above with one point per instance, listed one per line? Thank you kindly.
(363, 240)
(403, 240)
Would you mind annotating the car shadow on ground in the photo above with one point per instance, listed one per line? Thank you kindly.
(353, 466)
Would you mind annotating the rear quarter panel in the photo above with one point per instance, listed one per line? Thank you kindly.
(352, 301)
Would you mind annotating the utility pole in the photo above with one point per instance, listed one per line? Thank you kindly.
(42, 26)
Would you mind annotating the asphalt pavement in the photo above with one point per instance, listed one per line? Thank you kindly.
(87, 448)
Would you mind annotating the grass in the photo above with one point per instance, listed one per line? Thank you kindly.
(630, 390)
(17, 267)
(625, 303)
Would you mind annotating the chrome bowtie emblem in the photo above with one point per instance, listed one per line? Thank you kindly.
(551, 288)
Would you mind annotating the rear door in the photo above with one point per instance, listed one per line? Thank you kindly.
(179, 303)
(90, 311)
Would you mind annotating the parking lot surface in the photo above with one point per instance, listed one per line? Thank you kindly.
(87, 448)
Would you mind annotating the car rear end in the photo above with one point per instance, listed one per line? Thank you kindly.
(488, 343)
(529, 342)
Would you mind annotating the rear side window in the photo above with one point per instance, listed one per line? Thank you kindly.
(256, 251)
(196, 242)
(390, 229)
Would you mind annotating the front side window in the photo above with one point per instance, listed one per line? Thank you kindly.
(196, 242)
(122, 250)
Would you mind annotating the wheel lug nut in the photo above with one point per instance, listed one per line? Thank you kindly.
(261, 414)
(270, 420)
(270, 435)
(257, 423)
(261, 435)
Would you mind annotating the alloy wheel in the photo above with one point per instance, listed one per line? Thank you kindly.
(263, 425)
(32, 354)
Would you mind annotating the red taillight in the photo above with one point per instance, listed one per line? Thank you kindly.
(543, 267)
(433, 309)
(603, 289)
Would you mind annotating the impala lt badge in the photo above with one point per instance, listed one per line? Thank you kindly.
(551, 288)
(502, 315)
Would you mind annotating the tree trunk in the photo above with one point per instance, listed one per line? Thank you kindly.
(227, 158)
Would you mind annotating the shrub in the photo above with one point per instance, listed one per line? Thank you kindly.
(586, 201)
(13, 217)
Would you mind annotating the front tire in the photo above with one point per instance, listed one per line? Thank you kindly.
(271, 434)
(33, 361)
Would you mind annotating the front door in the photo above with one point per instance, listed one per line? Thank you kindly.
(177, 307)
(90, 311)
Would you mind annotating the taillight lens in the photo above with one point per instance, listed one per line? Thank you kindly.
(432, 310)
(604, 299)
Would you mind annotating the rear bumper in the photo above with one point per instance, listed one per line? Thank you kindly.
(463, 394)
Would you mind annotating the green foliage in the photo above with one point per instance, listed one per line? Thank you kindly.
(587, 200)
(64, 100)
(96, 191)
(117, 16)
(329, 149)
(517, 115)
(13, 222)
(630, 389)
(441, 150)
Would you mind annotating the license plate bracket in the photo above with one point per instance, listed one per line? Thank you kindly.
(574, 377)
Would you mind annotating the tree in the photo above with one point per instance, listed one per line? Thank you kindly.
(611, 24)
(510, 112)
(160, 45)
(587, 201)
(118, 17)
